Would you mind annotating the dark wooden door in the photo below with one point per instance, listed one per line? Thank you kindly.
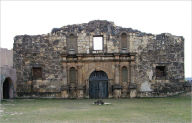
(98, 85)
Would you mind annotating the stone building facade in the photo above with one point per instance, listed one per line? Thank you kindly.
(98, 60)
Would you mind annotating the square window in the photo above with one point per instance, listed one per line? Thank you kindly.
(37, 73)
(160, 72)
(98, 43)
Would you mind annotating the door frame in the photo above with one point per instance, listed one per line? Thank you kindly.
(104, 80)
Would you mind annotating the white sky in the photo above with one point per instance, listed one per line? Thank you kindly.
(98, 43)
(39, 17)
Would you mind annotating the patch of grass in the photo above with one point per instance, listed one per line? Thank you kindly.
(145, 110)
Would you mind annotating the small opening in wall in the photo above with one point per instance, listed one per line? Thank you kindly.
(98, 43)
(160, 72)
(37, 72)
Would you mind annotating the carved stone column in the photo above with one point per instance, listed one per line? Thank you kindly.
(129, 73)
(132, 72)
(117, 87)
(79, 74)
(105, 43)
(64, 74)
(90, 43)
(117, 74)
(133, 86)
(80, 87)
(64, 86)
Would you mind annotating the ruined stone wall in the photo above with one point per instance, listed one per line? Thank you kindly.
(6, 57)
(159, 50)
(37, 51)
(46, 51)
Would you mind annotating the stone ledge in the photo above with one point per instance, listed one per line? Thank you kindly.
(132, 86)
(116, 87)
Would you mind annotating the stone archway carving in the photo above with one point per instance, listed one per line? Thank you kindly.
(99, 69)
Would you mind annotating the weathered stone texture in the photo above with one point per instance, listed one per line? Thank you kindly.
(7, 73)
(6, 57)
(166, 50)
(143, 53)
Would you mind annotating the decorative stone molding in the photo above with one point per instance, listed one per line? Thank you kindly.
(133, 86)
(116, 87)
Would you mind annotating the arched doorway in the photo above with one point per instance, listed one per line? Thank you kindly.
(98, 85)
(7, 89)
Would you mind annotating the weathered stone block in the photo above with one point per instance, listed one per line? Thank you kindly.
(133, 93)
(80, 94)
(64, 94)
(117, 93)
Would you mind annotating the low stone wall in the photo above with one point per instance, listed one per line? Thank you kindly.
(167, 89)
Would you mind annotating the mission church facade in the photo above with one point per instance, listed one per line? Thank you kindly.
(98, 60)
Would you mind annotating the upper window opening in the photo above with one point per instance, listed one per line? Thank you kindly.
(98, 43)
(37, 72)
(124, 40)
(72, 44)
(160, 72)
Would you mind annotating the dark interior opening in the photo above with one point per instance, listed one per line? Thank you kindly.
(160, 72)
(37, 72)
(6, 87)
(98, 85)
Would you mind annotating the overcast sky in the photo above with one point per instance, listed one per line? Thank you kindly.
(39, 17)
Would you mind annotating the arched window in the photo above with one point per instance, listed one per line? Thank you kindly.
(124, 74)
(72, 75)
(72, 43)
(123, 40)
